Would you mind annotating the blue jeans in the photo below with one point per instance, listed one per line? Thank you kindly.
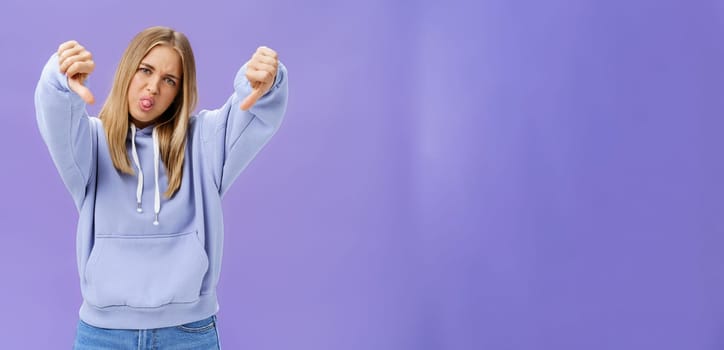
(198, 335)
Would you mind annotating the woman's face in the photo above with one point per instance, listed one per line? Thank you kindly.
(154, 85)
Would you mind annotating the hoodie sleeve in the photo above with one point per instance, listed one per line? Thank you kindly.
(233, 137)
(64, 126)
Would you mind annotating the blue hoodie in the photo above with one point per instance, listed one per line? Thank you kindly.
(144, 260)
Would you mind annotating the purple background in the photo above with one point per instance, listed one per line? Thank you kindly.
(468, 175)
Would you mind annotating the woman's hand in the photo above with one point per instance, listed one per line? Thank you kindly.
(76, 63)
(261, 70)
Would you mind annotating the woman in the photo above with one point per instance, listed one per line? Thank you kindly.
(148, 261)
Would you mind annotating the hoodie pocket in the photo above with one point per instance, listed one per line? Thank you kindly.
(145, 271)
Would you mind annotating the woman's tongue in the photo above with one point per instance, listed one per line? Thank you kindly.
(146, 104)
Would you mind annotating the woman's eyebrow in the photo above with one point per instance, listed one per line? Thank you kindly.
(152, 68)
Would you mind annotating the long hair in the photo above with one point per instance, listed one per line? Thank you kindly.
(172, 124)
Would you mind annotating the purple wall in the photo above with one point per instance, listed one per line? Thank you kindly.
(480, 175)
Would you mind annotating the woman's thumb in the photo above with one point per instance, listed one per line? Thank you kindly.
(81, 90)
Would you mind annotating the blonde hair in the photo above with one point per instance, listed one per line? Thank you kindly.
(172, 124)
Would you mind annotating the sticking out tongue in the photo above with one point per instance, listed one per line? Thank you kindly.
(146, 104)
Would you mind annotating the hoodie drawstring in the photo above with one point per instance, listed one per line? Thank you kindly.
(157, 198)
(139, 188)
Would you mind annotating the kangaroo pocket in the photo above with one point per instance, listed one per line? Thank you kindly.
(145, 271)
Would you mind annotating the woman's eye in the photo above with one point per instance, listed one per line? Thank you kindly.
(170, 82)
(145, 70)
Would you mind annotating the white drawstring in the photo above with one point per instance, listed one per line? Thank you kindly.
(157, 198)
(139, 188)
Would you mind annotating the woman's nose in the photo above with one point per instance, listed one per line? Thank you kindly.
(152, 85)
